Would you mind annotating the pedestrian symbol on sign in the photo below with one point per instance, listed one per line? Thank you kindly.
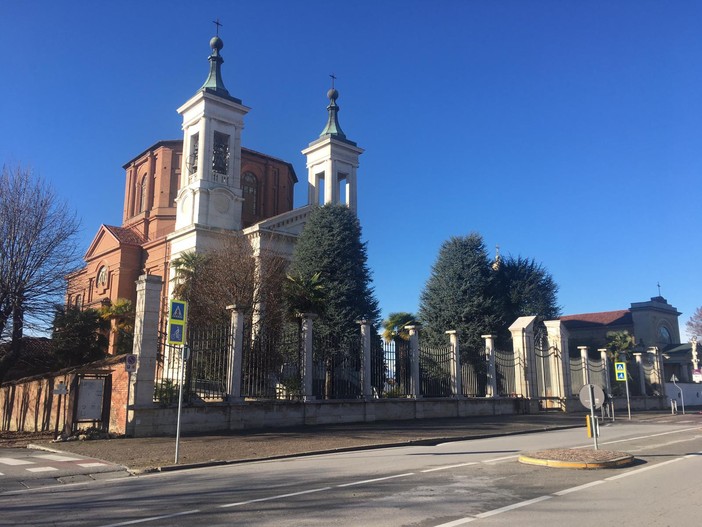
(620, 371)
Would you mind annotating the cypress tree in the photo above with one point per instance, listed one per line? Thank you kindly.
(330, 247)
(459, 294)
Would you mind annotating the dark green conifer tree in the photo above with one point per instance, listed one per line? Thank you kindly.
(331, 248)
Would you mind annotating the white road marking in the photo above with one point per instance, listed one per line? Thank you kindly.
(13, 461)
(450, 466)
(41, 469)
(501, 459)
(90, 465)
(580, 487)
(512, 507)
(153, 518)
(269, 498)
(376, 479)
(644, 469)
(1, 474)
(461, 521)
(56, 457)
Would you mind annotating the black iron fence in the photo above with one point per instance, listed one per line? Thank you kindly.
(337, 367)
(474, 368)
(435, 370)
(271, 364)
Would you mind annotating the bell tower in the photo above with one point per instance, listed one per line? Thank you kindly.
(332, 161)
(210, 195)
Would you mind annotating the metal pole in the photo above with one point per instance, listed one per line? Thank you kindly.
(126, 406)
(682, 396)
(626, 383)
(180, 401)
(593, 423)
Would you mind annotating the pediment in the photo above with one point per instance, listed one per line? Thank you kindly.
(109, 239)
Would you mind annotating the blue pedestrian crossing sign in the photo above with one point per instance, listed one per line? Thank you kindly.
(177, 318)
(620, 371)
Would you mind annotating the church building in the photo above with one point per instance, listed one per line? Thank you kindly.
(191, 194)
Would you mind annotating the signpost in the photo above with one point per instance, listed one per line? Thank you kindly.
(130, 366)
(177, 319)
(592, 396)
(674, 379)
(622, 376)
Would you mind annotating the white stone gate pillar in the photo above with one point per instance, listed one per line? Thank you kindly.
(307, 362)
(523, 341)
(605, 369)
(585, 363)
(642, 373)
(456, 380)
(145, 347)
(366, 359)
(236, 350)
(415, 387)
(560, 360)
(491, 385)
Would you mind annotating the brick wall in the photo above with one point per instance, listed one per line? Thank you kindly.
(29, 404)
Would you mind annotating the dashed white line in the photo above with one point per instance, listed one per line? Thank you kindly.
(495, 460)
(450, 466)
(153, 518)
(512, 507)
(269, 498)
(456, 523)
(644, 469)
(376, 479)
(91, 465)
(580, 487)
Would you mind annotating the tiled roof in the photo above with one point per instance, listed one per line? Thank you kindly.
(126, 235)
(604, 318)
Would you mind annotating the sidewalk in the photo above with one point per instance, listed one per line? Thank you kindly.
(157, 453)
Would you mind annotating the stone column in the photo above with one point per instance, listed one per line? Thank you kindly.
(695, 360)
(236, 350)
(585, 363)
(605, 369)
(307, 362)
(145, 347)
(415, 387)
(560, 365)
(491, 386)
(366, 359)
(456, 380)
(657, 373)
(523, 341)
(642, 373)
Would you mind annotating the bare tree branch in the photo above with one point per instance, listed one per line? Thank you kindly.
(37, 251)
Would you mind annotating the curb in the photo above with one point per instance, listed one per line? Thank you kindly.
(622, 461)
(413, 442)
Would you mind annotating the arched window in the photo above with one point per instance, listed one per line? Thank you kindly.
(142, 202)
(249, 185)
(102, 277)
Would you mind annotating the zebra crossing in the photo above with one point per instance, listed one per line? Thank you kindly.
(26, 468)
(48, 463)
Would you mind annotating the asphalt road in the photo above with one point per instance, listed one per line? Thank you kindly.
(446, 485)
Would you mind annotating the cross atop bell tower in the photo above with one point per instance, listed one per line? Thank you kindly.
(210, 196)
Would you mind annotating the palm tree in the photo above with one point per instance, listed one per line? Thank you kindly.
(187, 267)
(120, 314)
(305, 294)
(396, 325)
(620, 343)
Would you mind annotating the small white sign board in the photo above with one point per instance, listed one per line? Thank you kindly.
(697, 375)
(89, 407)
(130, 363)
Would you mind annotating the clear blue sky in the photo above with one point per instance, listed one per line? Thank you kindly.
(566, 131)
